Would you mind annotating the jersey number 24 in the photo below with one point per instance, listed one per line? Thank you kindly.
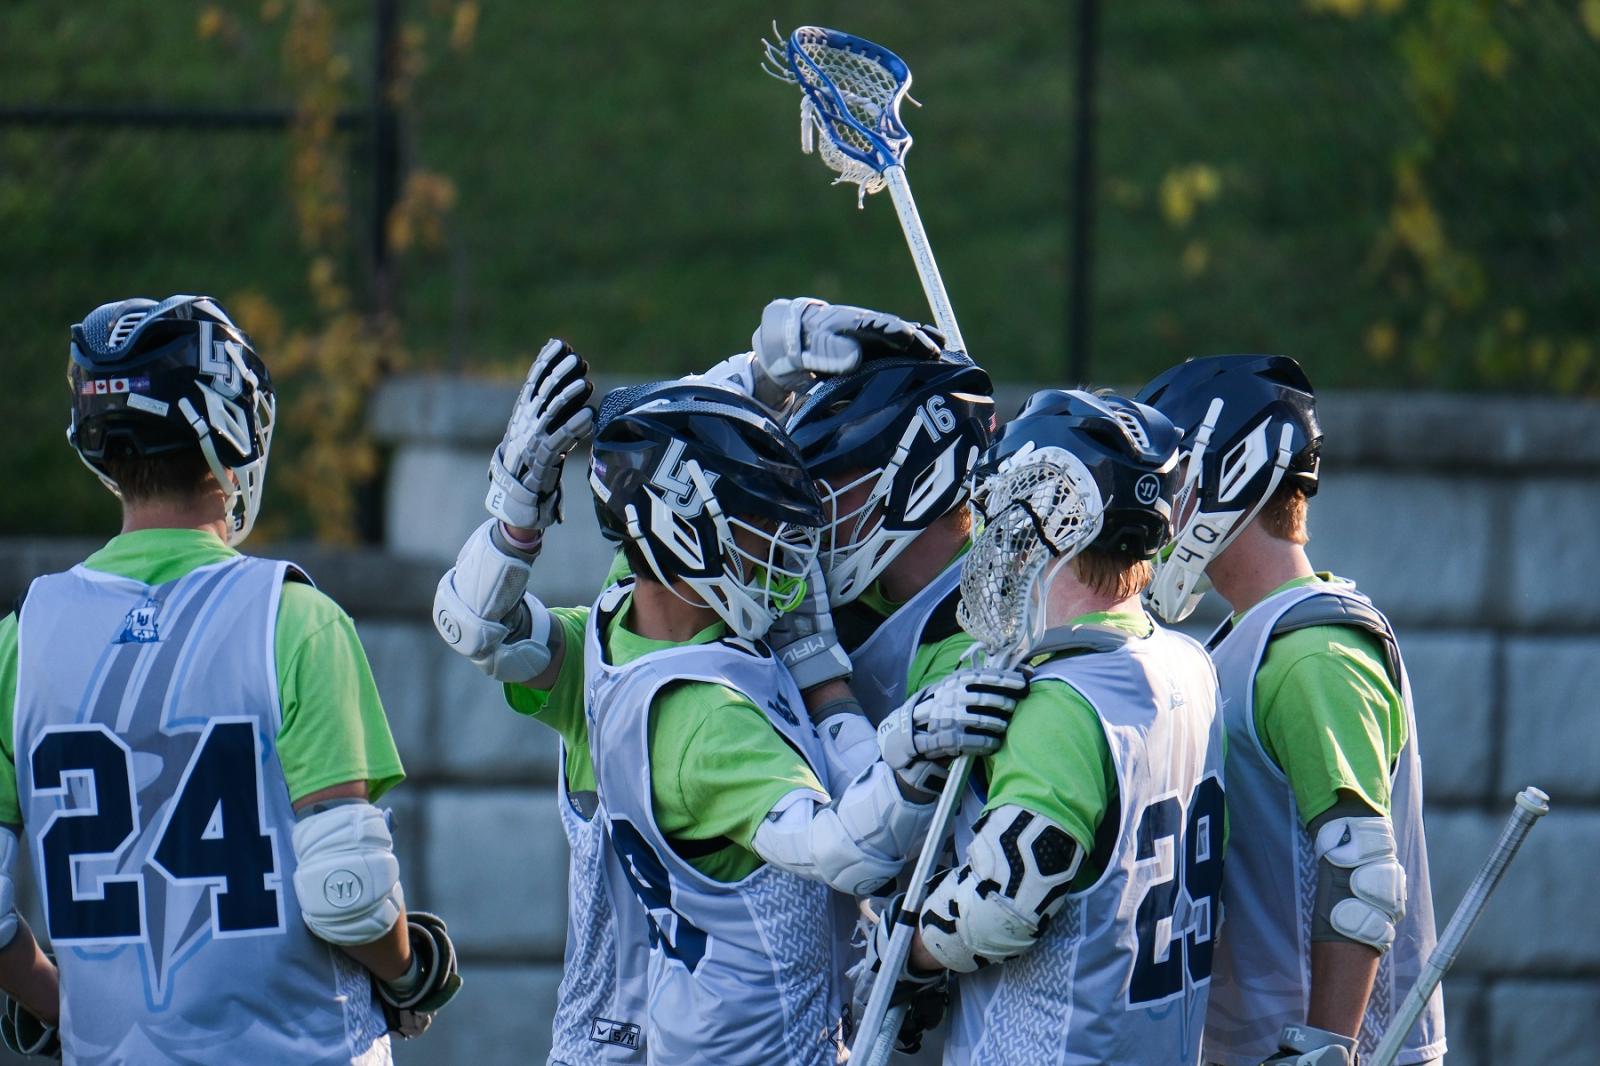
(212, 835)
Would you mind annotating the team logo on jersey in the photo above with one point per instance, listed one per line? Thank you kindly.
(140, 626)
(779, 705)
(676, 485)
(606, 1031)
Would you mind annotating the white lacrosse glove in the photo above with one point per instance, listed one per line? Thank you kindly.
(804, 639)
(924, 995)
(1301, 1045)
(548, 421)
(965, 714)
(804, 337)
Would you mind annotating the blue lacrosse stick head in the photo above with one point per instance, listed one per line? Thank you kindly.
(855, 87)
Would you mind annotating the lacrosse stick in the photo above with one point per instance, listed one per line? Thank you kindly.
(852, 92)
(1532, 804)
(1043, 507)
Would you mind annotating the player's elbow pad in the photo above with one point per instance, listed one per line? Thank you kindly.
(1361, 886)
(1018, 869)
(346, 876)
(482, 610)
(853, 844)
(8, 886)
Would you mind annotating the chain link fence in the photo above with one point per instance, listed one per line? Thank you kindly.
(1398, 192)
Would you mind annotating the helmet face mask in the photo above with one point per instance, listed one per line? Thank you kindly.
(711, 494)
(1249, 427)
(150, 379)
(893, 444)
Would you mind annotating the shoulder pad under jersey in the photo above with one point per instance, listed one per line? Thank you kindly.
(1341, 611)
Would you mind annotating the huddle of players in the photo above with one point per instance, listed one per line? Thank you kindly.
(191, 742)
(758, 711)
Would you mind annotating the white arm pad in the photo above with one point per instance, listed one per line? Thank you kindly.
(1017, 870)
(855, 843)
(8, 886)
(482, 611)
(1377, 894)
(346, 876)
(849, 744)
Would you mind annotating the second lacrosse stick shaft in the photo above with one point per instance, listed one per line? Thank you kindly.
(1532, 804)
(894, 958)
(944, 316)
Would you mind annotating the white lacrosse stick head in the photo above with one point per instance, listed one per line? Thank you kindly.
(852, 90)
(1038, 510)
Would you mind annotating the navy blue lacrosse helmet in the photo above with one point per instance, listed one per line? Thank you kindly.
(906, 432)
(1127, 451)
(1249, 425)
(712, 492)
(151, 379)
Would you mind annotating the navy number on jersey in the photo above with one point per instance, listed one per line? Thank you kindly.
(669, 930)
(213, 833)
(1172, 946)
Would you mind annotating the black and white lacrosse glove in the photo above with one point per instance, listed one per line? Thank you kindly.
(548, 421)
(924, 995)
(24, 1033)
(410, 1002)
(803, 338)
(804, 639)
(1302, 1045)
(965, 714)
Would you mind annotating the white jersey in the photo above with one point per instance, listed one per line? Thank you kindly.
(881, 664)
(740, 972)
(1120, 975)
(159, 826)
(600, 1005)
(1263, 978)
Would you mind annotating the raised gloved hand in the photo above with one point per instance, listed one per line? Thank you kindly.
(410, 1003)
(24, 1033)
(1302, 1045)
(924, 995)
(548, 421)
(965, 714)
(804, 639)
(804, 337)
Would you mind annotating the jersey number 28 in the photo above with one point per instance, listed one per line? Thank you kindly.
(1186, 848)
(213, 833)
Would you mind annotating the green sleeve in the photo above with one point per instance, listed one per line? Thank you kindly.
(561, 705)
(1055, 762)
(1328, 715)
(10, 805)
(716, 768)
(334, 729)
(936, 661)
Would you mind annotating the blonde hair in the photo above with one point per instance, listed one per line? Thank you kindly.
(1111, 574)
(1284, 516)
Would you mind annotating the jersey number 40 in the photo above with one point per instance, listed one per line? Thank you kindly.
(212, 834)
(1173, 947)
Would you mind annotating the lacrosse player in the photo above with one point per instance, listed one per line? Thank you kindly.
(892, 431)
(1081, 915)
(192, 742)
(1330, 916)
(710, 777)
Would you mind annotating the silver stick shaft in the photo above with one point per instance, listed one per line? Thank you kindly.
(1531, 805)
(894, 957)
(944, 316)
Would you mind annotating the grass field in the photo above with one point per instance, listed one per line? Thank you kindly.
(629, 180)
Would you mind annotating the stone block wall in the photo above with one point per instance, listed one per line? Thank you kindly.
(1468, 522)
